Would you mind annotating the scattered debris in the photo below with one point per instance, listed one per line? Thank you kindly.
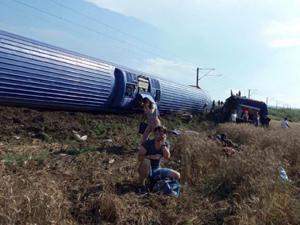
(189, 132)
(78, 137)
(108, 140)
(229, 151)
(111, 161)
(186, 116)
(67, 172)
(178, 132)
(17, 137)
(283, 175)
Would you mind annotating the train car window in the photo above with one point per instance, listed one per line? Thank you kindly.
(143, 83)
(155, 84)
(129, 90)
(131, 77)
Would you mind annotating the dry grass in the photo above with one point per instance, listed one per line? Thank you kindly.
(33, 198)
(247, 182)
(47, 177)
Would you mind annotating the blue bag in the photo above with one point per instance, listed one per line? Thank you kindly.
(167, 187)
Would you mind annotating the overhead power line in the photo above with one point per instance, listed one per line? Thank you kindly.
(102, 23)
(133, 49)
(86, 27)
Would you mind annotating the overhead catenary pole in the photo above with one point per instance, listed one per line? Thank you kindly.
(252, 92)
(205, 74)
(197, 81)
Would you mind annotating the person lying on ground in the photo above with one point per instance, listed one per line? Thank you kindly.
(226, 142)
(150, 154)
(229, 147)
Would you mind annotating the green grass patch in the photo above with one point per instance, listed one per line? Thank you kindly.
(293, 115)
(22, 157)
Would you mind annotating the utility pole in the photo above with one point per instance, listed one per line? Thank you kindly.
(267, 100)
(197, 81)
(252, 91)
(205, 74)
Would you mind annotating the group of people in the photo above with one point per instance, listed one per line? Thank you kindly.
(246, 117)
(152, 151)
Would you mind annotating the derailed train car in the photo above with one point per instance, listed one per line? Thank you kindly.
(35, 74)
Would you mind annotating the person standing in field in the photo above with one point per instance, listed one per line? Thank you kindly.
(256, 120)
(245, 116)
(151, 111)
(233, 116)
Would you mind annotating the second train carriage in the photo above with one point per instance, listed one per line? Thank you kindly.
(39, 75)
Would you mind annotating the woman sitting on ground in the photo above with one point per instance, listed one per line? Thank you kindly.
(151, 111)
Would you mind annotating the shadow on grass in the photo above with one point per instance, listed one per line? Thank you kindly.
(124, 188)
(82, 209)
(114, 150)
(219, 188)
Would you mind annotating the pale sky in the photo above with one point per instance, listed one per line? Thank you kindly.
(253, 44)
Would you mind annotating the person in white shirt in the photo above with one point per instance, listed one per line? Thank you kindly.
(233, 116)
(285, 123)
